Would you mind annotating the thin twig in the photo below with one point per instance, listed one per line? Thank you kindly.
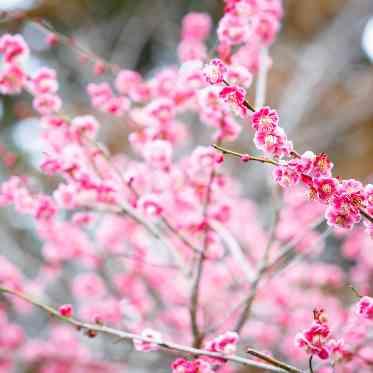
(289, 247)
(194, 299)
(102, 329)
(355, 291)
(271, 360)
(71, 42)
(234, 248)
(298, 255)
(258, 277)
(179, 235)
(310, 364)
(366, 215)
(243, 155)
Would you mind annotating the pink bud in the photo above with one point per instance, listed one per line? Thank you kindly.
(66, 310)
(245, 157)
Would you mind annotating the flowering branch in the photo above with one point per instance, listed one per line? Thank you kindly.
(245, 157)
(93, 329)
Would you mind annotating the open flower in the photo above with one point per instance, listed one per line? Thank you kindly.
(147, 346)
(365, 308)
(265, 119)
(235, 97)
(214, 71)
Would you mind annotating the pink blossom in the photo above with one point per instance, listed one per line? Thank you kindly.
(338, 351)
(265, 119)
(100, 93)
(228, 130)
(161, 110)
(151, 204)
(243, 9)
(47, 104)
(214, 71)
(364, 308)
(158, 154)
(13, 47)
(99, 68)
(340, 218)
(325, 187)
(235, 96)
(239, 75)
(45, 208)
(304, 164)
(52, 39)
(12, 79)
(84, 127)
(345, 205)
(147, 346)
(65, 195)
(196, 26)
(225, 343)
(233, 30)
(245, 157)
(189, 50)
(273, 7)
(116, 106)
(286, 176)
(182, 365)
(314, 340)
(265, 28)
(11, 338)
(44, 81)
(66, 310)
(274, 143)
(81, 218)
(10, 276)
(127, 81)
(54, 121)
(322, 166)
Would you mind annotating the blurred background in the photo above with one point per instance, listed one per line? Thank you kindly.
(321, 81)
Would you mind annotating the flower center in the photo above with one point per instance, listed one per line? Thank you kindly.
(270, 140)
(327, 188)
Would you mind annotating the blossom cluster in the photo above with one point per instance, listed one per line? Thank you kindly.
(318, 340)
(345, 198)
(225, 344)
(122, 235)
(248, 25)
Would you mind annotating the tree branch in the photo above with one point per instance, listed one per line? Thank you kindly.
(102, 329)
(243, 155)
